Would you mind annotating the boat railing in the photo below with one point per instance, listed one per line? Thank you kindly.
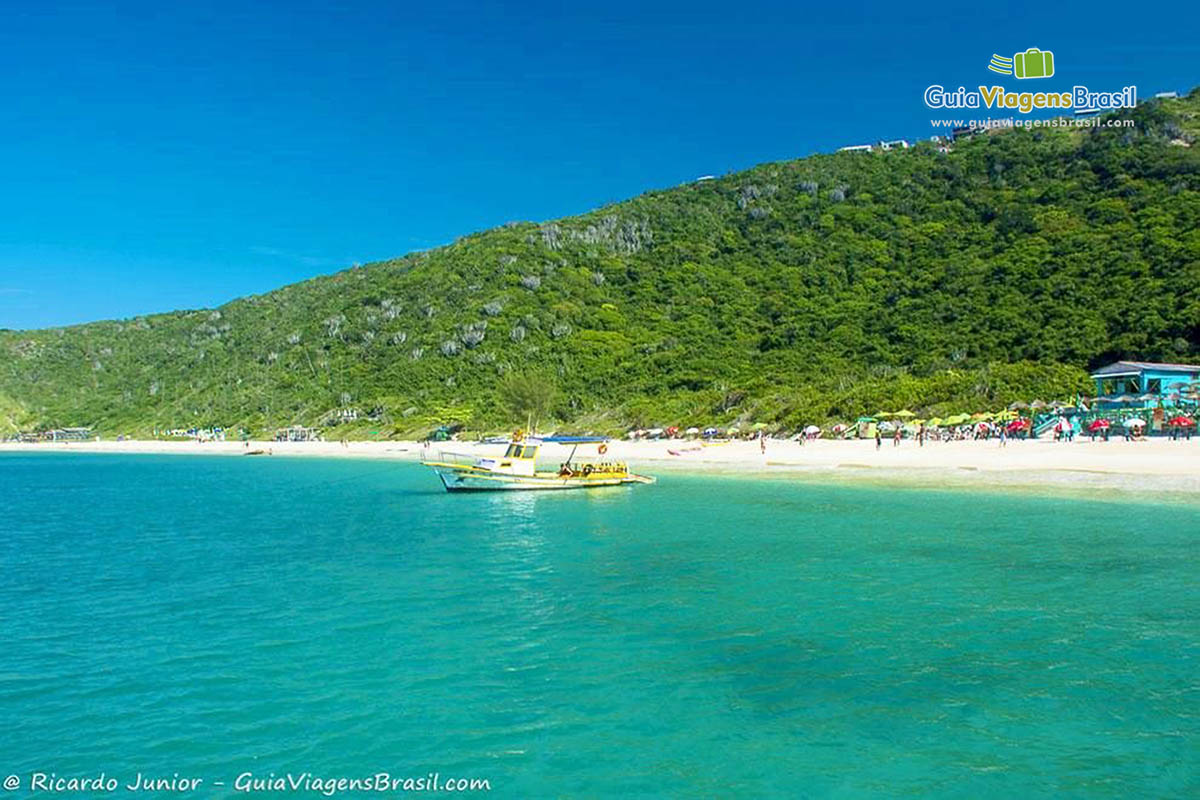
(451, 457)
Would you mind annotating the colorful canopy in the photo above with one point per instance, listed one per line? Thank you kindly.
(1099, 425)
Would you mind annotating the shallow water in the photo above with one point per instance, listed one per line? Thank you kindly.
(702, 637)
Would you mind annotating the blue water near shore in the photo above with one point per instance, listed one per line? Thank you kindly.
(698, 638)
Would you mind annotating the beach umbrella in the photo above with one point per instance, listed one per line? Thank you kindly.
(812, 429)
(711, 431)
(1017, 405)
(905, 414)
(758, 426)
(1036, 404)
(1017, 425)
(692, 431)
(1182, 421)
(1005, 416)
(1099, 425)
(1123, 398)
(883, 414)
(936, 422)
(865, 419)
(840, 428)
(1135, 422)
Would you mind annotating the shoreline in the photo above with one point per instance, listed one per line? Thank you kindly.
(1156, 466)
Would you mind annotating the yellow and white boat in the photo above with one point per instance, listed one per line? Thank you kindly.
(517, 468)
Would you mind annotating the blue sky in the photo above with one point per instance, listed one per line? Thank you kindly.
(158, 156)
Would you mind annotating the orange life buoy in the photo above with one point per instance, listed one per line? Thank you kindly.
(603, 449)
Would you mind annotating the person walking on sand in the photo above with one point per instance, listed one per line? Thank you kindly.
(878, 439)
(1003, 437)
(762, 444)
(921, 435)
(896, 436)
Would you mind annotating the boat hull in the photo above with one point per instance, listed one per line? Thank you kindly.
(471, 480)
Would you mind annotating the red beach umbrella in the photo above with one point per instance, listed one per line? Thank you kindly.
(1182, 421)
(1099, 425)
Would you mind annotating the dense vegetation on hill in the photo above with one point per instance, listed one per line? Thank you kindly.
(793, 292)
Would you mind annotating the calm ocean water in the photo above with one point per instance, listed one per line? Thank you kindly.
(699, 638)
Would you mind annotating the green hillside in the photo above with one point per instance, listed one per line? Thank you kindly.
(793, 292)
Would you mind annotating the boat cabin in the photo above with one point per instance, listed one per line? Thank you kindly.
(519, 459)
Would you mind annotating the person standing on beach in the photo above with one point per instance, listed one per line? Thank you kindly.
(897, 435)
(878, 439)
(921, 435)
(762, 444)
(1003, 437)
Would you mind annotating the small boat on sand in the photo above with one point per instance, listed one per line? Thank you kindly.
(517, 468)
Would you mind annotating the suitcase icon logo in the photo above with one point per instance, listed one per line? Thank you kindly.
(1033, 63)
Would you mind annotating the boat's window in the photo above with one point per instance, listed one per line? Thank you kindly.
(514, 451)
(530, 452)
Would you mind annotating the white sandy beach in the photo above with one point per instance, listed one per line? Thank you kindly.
(1158, 465)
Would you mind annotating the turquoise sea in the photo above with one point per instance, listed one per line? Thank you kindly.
(704, 637)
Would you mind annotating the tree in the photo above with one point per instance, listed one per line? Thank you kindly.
(528, 397)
